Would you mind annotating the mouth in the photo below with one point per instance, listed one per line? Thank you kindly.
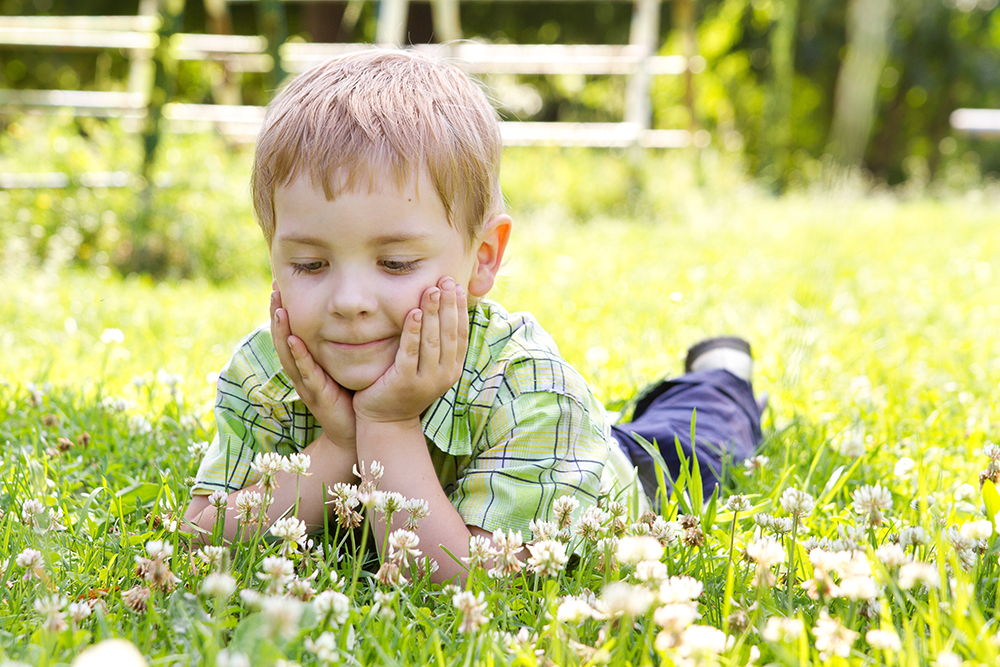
(355, 346)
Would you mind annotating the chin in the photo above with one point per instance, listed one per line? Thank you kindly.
(357, 381)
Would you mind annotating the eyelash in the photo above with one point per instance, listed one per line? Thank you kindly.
(307, 267)
(391, 265)
(404, 266)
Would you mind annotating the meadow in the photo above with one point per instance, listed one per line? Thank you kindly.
(859, 536)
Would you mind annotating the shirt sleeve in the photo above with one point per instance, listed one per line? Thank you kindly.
(539, 446)
(226, 464)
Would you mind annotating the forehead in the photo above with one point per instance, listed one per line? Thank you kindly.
(388, 214)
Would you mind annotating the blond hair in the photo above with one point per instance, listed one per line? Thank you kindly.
(356, 120)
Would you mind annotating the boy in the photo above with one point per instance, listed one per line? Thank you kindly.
(376, 184)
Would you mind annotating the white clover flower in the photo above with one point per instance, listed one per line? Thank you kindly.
(267, 465)
(479, 552)
(30, 509)
(472, 609)
(674, 618)
(168, 379)
(292, 533)
(251, 598)
(139, 425)
(851, 443)
(51, 607)
(248, 506)
(832, 638)
(858, 588)
(912, 536)
(403, 546)
(281, 615)
(298, 464)
(635, 548)
(562, 510)
(782, 629)
(918, 572)
(389, 502)
(680, 589)
(619, 598)
(159, 549)
(276, 572)
(592, 525)
(965, 492)
(991, 451)
(781, 525)
(416, 509)
(904, 466)
(948, 659)
(766, 552)
(797, 503)
(333, 604)
(217, 585)
(506, 546)
(667, 532)
(324, 648)
(756, 463)
(650, 572)
(543, 530)
(884, 640)
(928, 500)
(218, 499)
(871, 501)
(79, 611)
(738, 503)
(977, 530)
(198, 449)
(214, 556)
(703, 641)
(112, 337)
(548, 558)
(574, 611)
(891, 555)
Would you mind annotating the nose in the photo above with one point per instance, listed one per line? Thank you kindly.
(351, 295)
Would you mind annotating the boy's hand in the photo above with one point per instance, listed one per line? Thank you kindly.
(429, 361)
(327, 401)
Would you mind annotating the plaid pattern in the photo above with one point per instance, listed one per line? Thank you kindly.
(520, 427)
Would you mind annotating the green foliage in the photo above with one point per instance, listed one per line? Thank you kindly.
(873, 328)
(197, 220)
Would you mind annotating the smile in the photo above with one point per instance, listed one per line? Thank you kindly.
(360, 346)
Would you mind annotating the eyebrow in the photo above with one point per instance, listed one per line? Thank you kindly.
(296, 239)
(378, 241)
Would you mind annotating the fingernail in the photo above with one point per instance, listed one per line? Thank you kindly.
(448, 284)
(435, 295)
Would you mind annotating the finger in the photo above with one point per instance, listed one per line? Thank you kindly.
(408, 354)
(280, 333)
(449, 319)
(275, 301)
(313, 378)
(462, 309)
(430, 331)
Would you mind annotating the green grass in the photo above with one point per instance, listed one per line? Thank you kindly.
(872, 318)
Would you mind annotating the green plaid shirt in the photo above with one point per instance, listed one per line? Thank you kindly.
(520, 427)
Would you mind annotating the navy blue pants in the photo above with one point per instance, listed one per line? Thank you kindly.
(727, 425)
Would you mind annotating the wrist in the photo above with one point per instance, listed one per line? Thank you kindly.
(339, 443)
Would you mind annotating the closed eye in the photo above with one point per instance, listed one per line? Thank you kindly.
(399, 265)
(307, 267)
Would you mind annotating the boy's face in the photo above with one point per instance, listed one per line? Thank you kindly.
(349, 270)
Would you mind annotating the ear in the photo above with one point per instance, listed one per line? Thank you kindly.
(489, 254)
